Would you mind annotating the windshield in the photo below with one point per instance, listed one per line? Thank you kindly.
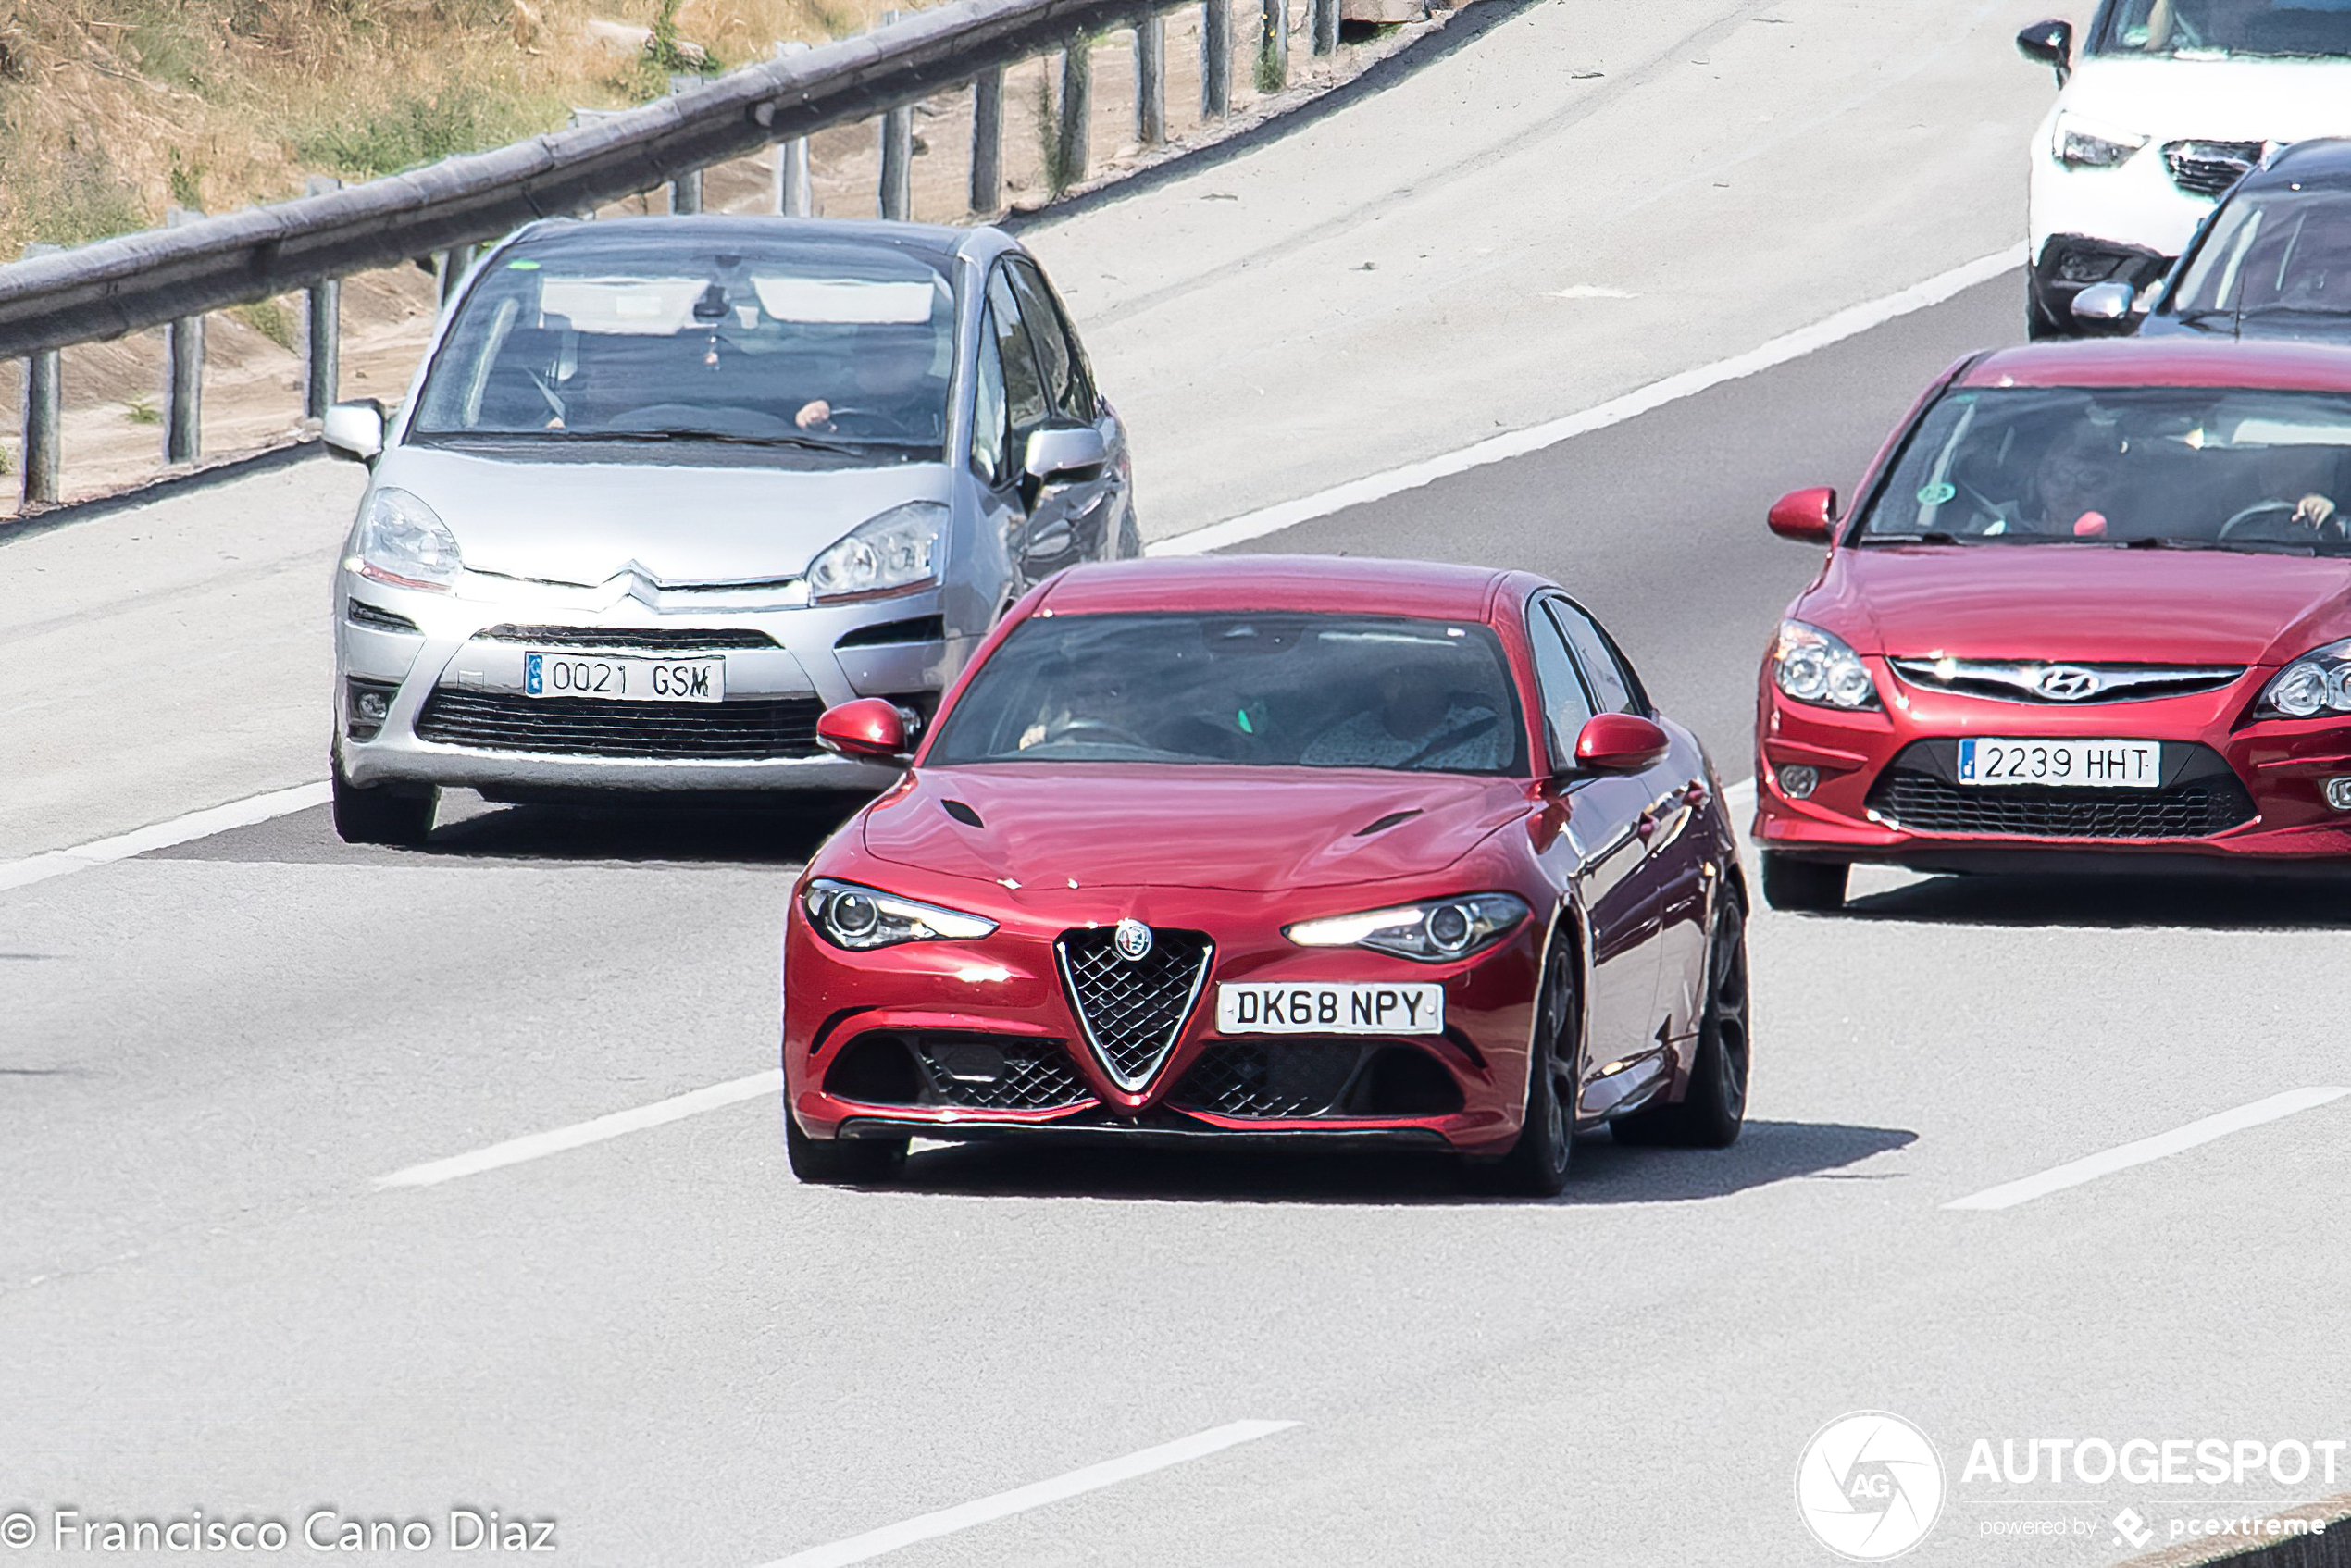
(2187, 29)
(2187, 467)
(1261, 690)
(810, 343)
(2274, 253)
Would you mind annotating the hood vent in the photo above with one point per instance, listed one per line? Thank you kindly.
(1385, 823)
(962, 814)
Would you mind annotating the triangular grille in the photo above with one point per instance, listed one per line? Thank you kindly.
(1132, 1012)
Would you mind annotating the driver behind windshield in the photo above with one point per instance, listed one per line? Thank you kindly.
(1419, 721)
(880, 384)
(2183, 466)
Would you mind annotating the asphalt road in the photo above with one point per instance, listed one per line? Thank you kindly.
(212, 1054)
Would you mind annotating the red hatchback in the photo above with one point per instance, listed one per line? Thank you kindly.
(1292, 850)
(2096, 600)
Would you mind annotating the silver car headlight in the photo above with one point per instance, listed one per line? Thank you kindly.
(1436, 932)
(863, 918)
(2084, 143)
(1815, 667)
(2318, 682)
(403, 543)
(897, 549)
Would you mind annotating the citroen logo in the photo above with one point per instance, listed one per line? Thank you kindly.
(1133, 941)
(2067, 683)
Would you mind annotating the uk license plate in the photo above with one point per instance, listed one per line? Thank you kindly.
(2078, 765)
(1412, 1009)
(610, 678)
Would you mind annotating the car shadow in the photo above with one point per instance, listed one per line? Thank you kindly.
(2251, 902)
(1604, 1172)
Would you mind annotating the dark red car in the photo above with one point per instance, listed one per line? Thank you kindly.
(1235, 851)
(2096, 600)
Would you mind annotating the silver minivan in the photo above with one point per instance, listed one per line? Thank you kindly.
(665, 489)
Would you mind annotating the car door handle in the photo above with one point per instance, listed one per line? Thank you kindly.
(1648, 826)
(1694, 796)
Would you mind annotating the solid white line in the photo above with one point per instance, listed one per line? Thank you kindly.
(859, 1549)
(163, 835)
(2075, 1172)
(516, 1151)
(1794, 345)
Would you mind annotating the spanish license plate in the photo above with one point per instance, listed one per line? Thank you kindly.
(2080, 765)
(1414, 1009)
(615, 679)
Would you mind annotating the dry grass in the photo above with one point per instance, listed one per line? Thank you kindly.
(110, 110)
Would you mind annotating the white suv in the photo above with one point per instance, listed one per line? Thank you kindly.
(2168, 102)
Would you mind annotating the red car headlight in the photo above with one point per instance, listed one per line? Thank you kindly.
(1816, 666)
(863, 918)
(2318, 682)
(1436, 932)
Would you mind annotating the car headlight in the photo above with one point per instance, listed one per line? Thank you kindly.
(863, 918)
(2318, 682)
(1812, 666)
(2082, 144)
(899, 549)
(403, 543)
(1434, 932)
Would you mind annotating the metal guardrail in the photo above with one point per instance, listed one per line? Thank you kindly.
(173, 276)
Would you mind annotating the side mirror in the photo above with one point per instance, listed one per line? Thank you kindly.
(354, 429)
(869, 730)
(2051, 43)
(1619, 743)
(2106, 308)
(1807, 516)
(1071, 452)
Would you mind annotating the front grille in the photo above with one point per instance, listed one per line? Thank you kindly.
(997, 1075)
(632, 639)
(2193, 809)
(2033, 681)
(1132, 1012)
(1301, 1079)
(2208, 168)
(582, 725)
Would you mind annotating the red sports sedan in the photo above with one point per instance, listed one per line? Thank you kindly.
(1292, 850)
(2094, 602)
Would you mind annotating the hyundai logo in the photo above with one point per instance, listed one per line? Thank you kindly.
(1133, 941)
(2067, 683)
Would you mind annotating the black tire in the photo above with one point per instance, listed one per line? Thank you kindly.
(383, 815)
(1812, 886)
(1713, 1107)
(1537, 1163)
(841, 1162)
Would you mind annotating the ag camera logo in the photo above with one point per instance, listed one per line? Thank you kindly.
(1870, 1485)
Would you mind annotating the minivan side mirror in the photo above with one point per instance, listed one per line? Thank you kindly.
(2106, 308)
(1066, 453)
(1620, 743)
(2051, 43)
(869, 730)
(355, 431)
(1807, 516)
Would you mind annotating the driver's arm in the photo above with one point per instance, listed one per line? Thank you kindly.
(814, 415)
(2314, 511)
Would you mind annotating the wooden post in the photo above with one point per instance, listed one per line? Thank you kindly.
(987, 140)
(1326, 25)
(897, 153)
(322, 344)
(183, 372)
(1077, 107)
(795, 197)
(1216, 59)
(1151, 79)
(1274, 47)
(42, 413)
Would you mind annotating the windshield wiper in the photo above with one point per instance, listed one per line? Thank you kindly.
(2255, 546)
(809, 443)
(1931, 536)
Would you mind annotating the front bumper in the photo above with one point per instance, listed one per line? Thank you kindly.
(983, 1039)
(2259, 786)
(2126, 224)
(449, 669)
